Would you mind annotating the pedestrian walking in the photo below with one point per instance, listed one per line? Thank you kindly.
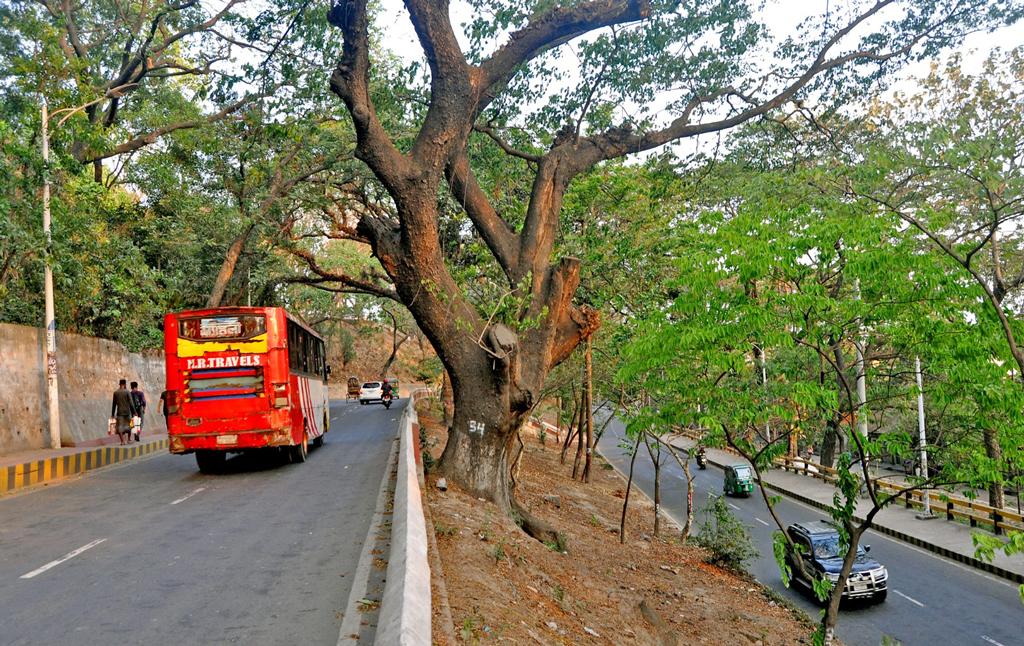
(139, 399)
(162, 407)
(122, 408)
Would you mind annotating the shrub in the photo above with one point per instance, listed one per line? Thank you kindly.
(725, 537)
(428, 459)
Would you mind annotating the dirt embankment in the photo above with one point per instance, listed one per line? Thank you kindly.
(505, 587)
(371, 350)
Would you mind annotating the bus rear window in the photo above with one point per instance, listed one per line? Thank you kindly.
(209, 328)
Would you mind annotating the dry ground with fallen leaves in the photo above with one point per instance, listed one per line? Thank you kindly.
(505, 587)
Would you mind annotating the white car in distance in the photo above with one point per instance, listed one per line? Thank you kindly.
(370, 392)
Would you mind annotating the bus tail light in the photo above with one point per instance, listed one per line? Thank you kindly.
(280, 395)
(172, 405)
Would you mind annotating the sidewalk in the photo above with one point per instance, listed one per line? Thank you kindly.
(949, 539)
(29, 468)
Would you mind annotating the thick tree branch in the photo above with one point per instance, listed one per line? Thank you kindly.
(537, 239)
(621, 141)
(499, 237)
(351, 82)
(142, 140)
(554, 27)
(452, 92)
(367, 284)
(507, 148)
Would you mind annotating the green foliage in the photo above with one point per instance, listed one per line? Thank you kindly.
(722, 534)
(428, 371)
(558, 593)
(986, 545)
(822, 588)
(559, 544)
(779, 543)
(428, 458)
(497, 552)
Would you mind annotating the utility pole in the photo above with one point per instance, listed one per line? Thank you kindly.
(862, 396)
(922, 441)
(764, 387)
(52, 399)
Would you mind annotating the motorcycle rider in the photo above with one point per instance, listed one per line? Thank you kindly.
(702, 458)
(386, 390)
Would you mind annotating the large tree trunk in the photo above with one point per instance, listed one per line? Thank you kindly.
(227, 268)
(480, 441)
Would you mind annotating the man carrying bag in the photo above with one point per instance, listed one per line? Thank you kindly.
(122, 409)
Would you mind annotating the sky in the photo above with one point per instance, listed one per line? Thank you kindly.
(402, 39)
(781, 16)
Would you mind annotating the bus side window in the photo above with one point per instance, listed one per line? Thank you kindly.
(293, 349)
(323, 358)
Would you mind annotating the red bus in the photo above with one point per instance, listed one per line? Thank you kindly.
(241, 378)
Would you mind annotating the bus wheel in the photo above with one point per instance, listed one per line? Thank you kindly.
(318, 441)
(210, 461)
(300, 451)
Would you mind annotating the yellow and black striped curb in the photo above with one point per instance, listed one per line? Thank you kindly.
(27, 474)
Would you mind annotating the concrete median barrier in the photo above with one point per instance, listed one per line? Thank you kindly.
(405, 607)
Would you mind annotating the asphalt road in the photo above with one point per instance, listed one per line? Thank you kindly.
(262, 554)
(932, 601)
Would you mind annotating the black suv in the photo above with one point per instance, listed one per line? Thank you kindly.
(818, 556)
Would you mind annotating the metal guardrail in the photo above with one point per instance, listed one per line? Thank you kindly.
(955, 508)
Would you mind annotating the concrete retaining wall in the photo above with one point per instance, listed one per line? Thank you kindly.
(87, 374)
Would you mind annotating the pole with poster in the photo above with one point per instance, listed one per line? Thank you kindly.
(52, 393)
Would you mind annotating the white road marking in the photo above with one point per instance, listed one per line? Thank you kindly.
(187, 496)
(910, 599)
(734, 506)
(761, 521)
(67, 557)
(990, 640)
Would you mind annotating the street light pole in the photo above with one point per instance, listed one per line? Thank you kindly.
(922, 441)
(52, 399)
(862, 395)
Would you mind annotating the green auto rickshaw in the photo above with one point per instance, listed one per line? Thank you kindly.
(739, 480)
